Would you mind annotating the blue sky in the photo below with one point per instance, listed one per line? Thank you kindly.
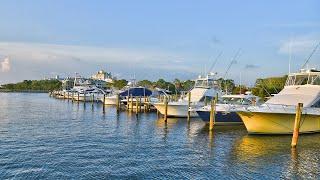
(156, 39)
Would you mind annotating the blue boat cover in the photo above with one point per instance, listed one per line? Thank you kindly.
(136, 91)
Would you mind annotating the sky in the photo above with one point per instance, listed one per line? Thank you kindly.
(157, 39)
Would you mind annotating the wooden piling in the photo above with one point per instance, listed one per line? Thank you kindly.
(212, 114)
(118, 103)
(92, 99)
(103, 103)
(131, 102)
(137, 104)
(189, 105)
(78, 97)
(165, 109)
(295, 135)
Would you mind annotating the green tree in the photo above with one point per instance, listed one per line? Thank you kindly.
(119, 84)
(145, 83)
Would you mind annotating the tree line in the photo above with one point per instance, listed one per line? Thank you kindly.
(264, 87)
(33, 85)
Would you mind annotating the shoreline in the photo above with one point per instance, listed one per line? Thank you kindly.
(23, 91)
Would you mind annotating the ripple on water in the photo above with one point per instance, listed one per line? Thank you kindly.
(45, 138)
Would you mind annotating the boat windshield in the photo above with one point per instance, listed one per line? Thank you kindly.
(312, 79)
(238, 101)
(207, 83)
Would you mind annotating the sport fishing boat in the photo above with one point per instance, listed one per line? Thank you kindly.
(225, 110)
(205, 88)
(277, 115)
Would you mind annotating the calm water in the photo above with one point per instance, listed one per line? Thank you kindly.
(45, 138)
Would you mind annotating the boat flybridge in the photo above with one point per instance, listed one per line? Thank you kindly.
(205, 88)
(277, 115)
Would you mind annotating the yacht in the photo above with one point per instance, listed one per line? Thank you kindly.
(135, 92)
(277, 115)
(226, 108)
(205, 88)
(84, 90)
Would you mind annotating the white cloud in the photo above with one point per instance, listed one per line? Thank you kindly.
(35, 61)
(50, 52)
(5, 65)
(300, 45)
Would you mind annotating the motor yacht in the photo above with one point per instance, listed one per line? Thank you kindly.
(277, 115)
(205, 88)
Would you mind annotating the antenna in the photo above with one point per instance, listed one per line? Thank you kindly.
(308, 59)
(215, 62)
(290, 55)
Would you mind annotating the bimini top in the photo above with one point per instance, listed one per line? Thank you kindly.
(311, 76)
(209, 81)
(302, 87)
(136, 91)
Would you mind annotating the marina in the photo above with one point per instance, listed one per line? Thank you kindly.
(159, 90)
(57, 139)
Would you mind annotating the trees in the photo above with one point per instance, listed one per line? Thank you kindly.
(145, 83)
(36, 85)
(268, 86)
(119, 84)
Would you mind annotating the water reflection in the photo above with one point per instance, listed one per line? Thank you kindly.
(81, 142)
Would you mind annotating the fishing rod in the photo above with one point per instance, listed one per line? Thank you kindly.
(215, 62)
(311, 54)
(233, 61)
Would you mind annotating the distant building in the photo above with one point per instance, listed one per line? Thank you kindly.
(103, 76)
(67, 84)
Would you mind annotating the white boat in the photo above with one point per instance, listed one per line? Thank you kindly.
(277, 115)
(225, 110)
(84, 90)
(205, 88)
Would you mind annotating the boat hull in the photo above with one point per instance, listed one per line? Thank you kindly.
(278, 123)
(221, 118)
(175, 110)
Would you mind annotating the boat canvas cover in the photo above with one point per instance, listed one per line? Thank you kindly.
(292, 95)
(137, 91)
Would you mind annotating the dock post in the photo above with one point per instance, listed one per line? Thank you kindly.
(131, 102)
(212, 114)
(64, 95)
(145, 104)
(68, 95)
(295, 135)
(137, 105)
(140, 102)
(103, 103)
(72, 95)
(118, 103)
(189, 105)
(165, 109)
(78, 97)
(92, 99)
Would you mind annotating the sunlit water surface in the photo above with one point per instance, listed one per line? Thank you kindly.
(46, 138)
